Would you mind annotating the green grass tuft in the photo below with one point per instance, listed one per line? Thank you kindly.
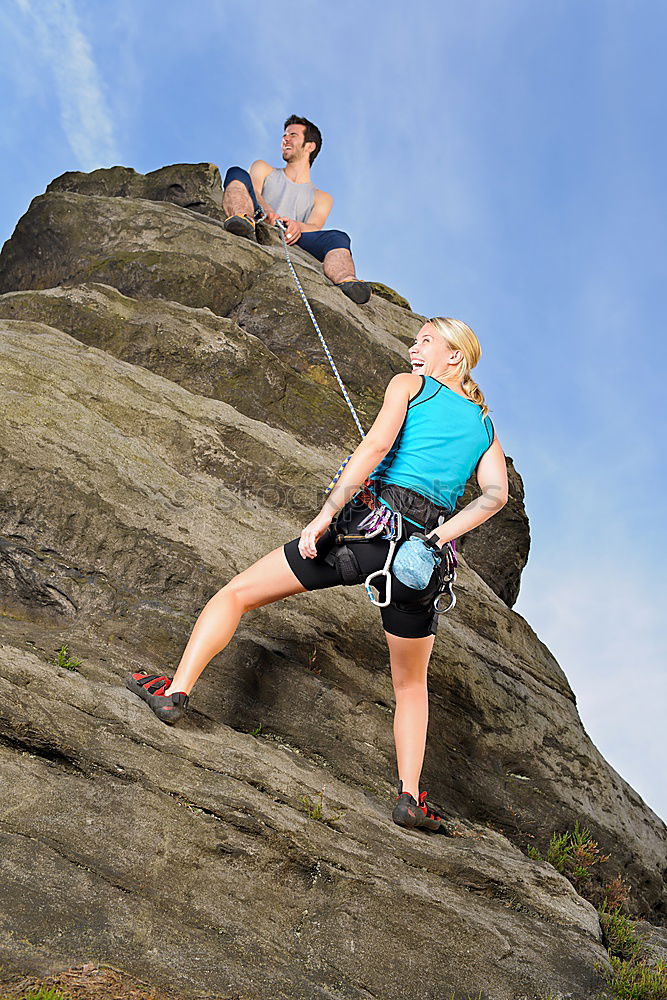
(45, 994)
(574, 854)
(631, 977)
(618, 934)
(315, 809)
(63, 659)
(637, 981)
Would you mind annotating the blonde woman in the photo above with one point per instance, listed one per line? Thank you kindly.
(432, 432)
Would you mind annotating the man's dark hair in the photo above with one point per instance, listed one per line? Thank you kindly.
(311, 133)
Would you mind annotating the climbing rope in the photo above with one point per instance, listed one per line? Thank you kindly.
(395, 531)
(282, 230)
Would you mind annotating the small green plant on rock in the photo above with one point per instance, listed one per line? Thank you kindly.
(637, 981)
(574, 854)
(45, 994)
(631, 977)
(311, 662)
(315, 809)
(619, 934)
(63, 659)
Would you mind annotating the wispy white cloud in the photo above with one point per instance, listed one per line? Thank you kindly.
(84, 111)
(264, 121)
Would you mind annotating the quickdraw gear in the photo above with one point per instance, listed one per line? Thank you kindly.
(390, 527)
(447, 578)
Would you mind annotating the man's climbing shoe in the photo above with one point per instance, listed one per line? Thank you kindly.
(358, 291)
(150, 687)
(241, 225)
(408, 812)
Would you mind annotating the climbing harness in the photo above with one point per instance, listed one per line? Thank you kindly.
(381, 521)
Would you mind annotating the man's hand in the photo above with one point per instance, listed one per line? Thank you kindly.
(293, 229)
(270, 217)
(311, 533)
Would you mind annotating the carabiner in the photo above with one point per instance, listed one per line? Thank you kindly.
(394, 533)
(452, 600)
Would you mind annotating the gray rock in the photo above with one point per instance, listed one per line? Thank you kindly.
(196, 186)
(379, 288)
(142, 248)
(206, 354)
(654, 940)
(126, 502)
(186, 858)
(147, 250)
(141, 469)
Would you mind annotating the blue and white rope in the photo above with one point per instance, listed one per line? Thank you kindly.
(398, 530)
(281, 229)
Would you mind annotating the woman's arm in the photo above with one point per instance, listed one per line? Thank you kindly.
(492, 480)
(372, 450)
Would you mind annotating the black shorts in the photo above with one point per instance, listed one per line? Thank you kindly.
(410, 614)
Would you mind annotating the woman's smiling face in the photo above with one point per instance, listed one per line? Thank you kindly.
(431, 354)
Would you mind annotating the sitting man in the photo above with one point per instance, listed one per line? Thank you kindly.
(287, 193)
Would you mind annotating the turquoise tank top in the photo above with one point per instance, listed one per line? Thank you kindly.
(439, 445)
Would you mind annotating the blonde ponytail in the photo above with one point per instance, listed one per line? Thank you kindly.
(460, 337)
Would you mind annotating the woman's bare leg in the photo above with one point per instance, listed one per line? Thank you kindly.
(266, 581)
(409, 667)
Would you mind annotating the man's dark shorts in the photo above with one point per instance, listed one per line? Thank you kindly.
(410, 615)
(317, 244)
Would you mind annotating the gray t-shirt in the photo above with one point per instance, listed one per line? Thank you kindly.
(295, 201)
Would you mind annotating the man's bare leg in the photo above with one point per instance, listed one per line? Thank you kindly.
(339, 266)
(268, 580)
(237, 201)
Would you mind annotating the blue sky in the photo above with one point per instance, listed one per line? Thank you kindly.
(501, 161)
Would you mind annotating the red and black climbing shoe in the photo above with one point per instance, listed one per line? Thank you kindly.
(168, 708)
(431, 820)
(408, 812)
(241, 225)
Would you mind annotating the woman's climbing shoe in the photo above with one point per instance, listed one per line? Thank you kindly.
(431, 820)
(406, 808)
(358, 291)
(150, 687)
(241, 225)
(408, 812)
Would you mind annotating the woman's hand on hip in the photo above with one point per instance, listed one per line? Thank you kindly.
(311, 533)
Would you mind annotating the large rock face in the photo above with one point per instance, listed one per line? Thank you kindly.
(167, 417)
(151, 250)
